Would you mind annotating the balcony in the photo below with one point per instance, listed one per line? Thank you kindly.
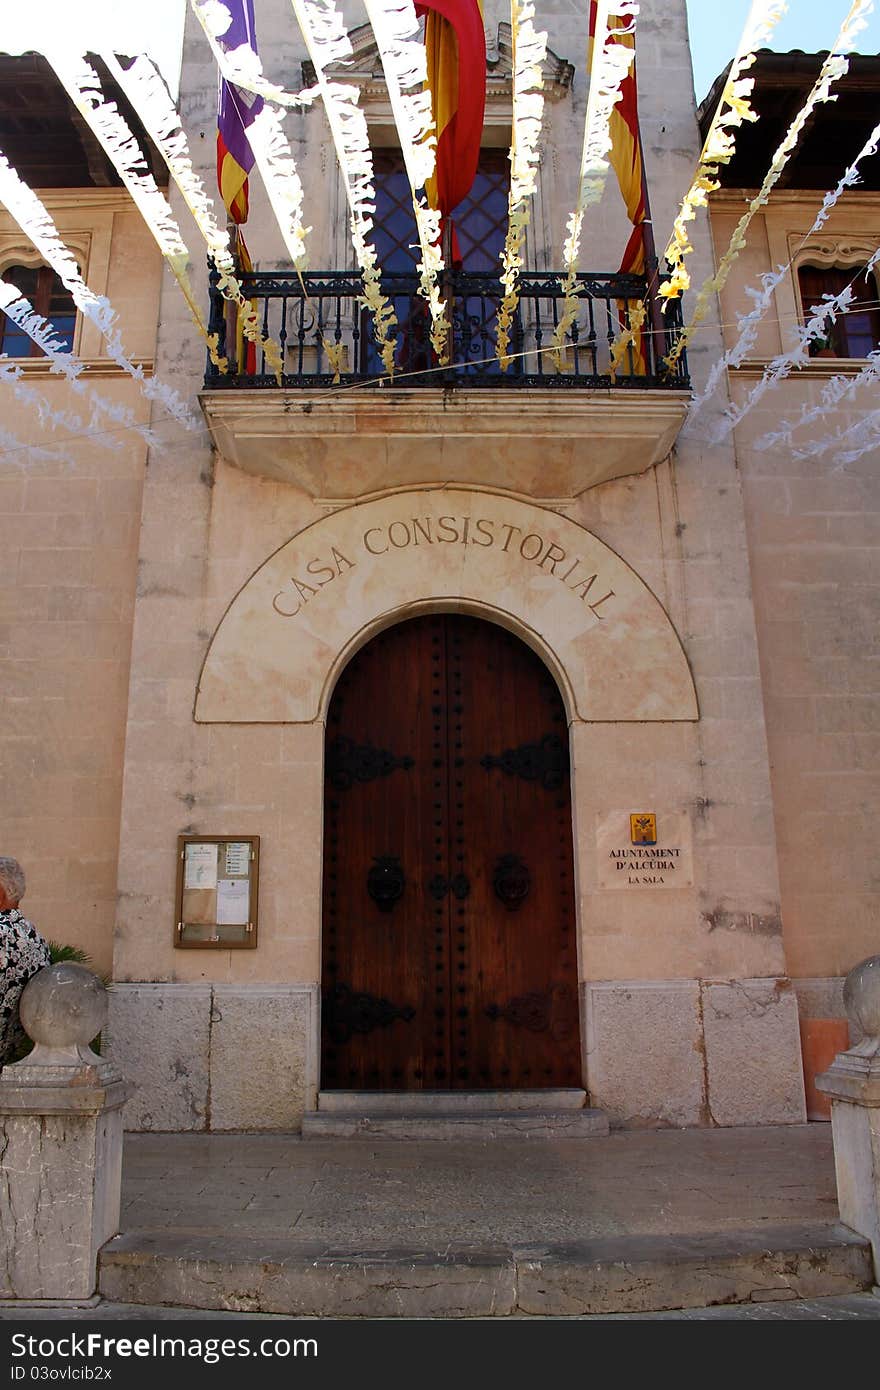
(543, 429)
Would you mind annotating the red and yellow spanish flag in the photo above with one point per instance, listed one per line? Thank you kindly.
(455, 44)
(626, 146)
(626, 160)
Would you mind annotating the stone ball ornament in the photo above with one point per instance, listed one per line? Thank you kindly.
(62, 1008)
(861, 996)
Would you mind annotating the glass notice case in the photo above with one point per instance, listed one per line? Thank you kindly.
(217, 889)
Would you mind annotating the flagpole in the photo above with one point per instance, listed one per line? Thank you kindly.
(231, 311)
(658, 327)
(446, 253)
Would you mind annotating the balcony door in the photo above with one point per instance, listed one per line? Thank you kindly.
(449, 954)
(480, 223)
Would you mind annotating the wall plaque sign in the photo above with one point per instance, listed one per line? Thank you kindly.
(217, 889)
(638, 850)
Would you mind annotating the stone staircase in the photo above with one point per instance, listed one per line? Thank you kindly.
(474, 1115)
(621, 1274)
(638, 1223)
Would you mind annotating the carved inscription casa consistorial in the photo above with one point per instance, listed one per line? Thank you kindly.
(385, 539)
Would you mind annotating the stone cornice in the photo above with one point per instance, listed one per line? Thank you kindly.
(105, 199)
(364, 70)
(536, 442)
(851, 200)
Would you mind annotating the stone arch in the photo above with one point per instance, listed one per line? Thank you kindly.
(289, 631)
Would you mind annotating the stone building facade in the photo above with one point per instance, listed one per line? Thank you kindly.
(179, 625)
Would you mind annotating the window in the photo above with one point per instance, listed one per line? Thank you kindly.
(855, 333)
(47, 294)
(480, 223)
(480, 220)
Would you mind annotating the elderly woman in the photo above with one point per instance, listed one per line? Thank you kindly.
(22, 953)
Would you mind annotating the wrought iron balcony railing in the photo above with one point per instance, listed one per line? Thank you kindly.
(303, 315)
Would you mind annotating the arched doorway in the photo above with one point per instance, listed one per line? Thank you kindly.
(449, 944)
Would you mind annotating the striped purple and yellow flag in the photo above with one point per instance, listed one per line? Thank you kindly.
(236, 112)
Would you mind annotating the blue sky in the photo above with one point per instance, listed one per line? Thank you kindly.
(715, 27)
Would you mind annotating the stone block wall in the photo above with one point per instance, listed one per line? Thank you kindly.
(68, 575)
(679, 1053)
(215, 1057)
(813, 528)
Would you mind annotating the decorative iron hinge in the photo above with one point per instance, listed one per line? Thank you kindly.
(349, 762)
(554, 1012)
(347, 1012)
(545, 762)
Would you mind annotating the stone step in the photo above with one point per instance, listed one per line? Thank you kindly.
(620, 1274)
(457, 1124)
(427, 1102)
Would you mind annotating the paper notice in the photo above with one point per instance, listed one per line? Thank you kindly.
(200, 866)
(238, 859)
(233, 900)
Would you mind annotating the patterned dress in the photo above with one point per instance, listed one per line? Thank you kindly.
(22, 953)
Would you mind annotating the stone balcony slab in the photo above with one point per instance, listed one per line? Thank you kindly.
(546, 444)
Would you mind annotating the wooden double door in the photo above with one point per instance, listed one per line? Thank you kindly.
(449, 953)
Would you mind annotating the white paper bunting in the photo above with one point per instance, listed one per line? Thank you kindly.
(83, 86)
(610, 64)
(13, 450)
(529, 50)
(833, 69)
(748, 324)
(64, 363)
(732, 110)
(272, 151)
(36, 222)
(395, 29)
(145, 89)
(328, 42)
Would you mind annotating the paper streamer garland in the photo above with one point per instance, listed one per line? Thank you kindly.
(529, 51)
(271, 148)
(763, 298)
(145, 89)
(396, 30)
(241, 66)
(838, 389)
(821, 317)
(12, 375)
(610, 65)
(732, 110)
(64, 363)
(83, 86)
(272, 152)
(834, 67)
(10, 444)
(36, 222)
(328, 42)
(835, 390)
(869, 425)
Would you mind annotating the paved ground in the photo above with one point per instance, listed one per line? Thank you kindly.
(371, 1194)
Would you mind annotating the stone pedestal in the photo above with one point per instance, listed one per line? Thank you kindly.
(60, 1142)
(853, 1083)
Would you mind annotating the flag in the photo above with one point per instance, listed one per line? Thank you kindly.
(455, 44)
(236, 112)
(626, 145)
(626, 161)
